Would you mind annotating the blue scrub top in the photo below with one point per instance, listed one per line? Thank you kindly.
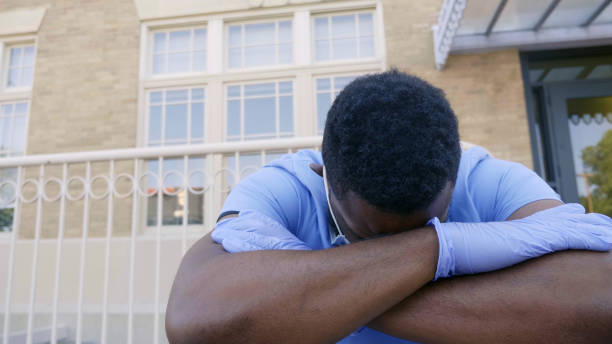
(289, 192)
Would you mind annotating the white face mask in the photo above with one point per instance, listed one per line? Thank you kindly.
(337, 239)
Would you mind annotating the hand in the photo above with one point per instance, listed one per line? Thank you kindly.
(469, 248)
(252, 231)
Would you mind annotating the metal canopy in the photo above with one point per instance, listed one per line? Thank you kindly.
(481, 25)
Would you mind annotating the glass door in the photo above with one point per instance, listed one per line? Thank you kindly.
(581, 119)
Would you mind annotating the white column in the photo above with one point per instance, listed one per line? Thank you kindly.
(215, 45)
(301, 38)
(381, 47)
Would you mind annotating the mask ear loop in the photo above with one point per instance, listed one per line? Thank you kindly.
(329, 203)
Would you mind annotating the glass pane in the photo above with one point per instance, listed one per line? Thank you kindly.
(366, 47)
(13, 77)
(235, 58)
(601, 72)
(564, 73)
(155, 120)
(285, 87)
(155, 97)
(233, 118)
(6, 109)
(176, 122)
(260, 33)
(284, 31)
(286, 114)
(571, 13)
(344, 48)
(28, 56)
(535, 74)
(19, 135)
(285, 54)
(476, 17)
(235, 36)
(197, 94)
(321, 28)
(15, 59)
(199, 39)
(233, 91)
(520, 15)
(26, 77)
(323, 105)
(159, 64)
(259, 116)
(343, 26)
(197, 120)
(342, 81)
(590, 127)
(322, 50)
(259, 55)
(179, 40)
(199, 61)
(5, 140)
(6, 219)
(21, 108)
(323, 84)
(366, 27)
(259, 89)
(178, 63)
(159, 42)
(176, 96)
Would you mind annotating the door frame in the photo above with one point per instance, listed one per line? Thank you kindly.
(556, 95)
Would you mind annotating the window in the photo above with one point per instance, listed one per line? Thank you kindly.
(13, 128)
(259, 44)
(20, 66)
(259, 111)
(13, 118)
(327, 90)
(176, 116)
(344, 37)
(176, 197)
(179, 51)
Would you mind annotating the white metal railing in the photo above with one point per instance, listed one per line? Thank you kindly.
(85, 260)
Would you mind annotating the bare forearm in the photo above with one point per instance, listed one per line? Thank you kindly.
(296, 296)
(563, 297)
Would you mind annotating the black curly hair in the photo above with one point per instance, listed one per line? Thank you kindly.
(392, 139)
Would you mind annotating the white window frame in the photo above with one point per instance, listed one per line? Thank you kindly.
(217, 76)
(276, 21)
(375, 35)
(163, 141)
(16, 94)
(315, 91)
(277, 96)
(151, 46)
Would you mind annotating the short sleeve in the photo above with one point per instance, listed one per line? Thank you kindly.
(272, 192)
(498, 188)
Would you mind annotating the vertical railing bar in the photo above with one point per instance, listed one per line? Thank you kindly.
(160, 192)
(37, 229)
(185, 203)
(263, 157)
(85, 228)
(11, 262)
(109, 233)
(237, 176)
(58, 254)
(135, 199)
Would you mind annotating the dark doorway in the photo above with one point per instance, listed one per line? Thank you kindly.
(569, 100)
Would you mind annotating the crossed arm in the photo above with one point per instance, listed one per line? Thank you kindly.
(322, 296)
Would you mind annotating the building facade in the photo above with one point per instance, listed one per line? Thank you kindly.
(125, 123)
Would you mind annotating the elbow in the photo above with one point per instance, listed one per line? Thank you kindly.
(186, 324)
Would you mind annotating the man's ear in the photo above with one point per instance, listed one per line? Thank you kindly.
(317, 168)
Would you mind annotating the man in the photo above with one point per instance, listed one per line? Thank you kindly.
(341, 247)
